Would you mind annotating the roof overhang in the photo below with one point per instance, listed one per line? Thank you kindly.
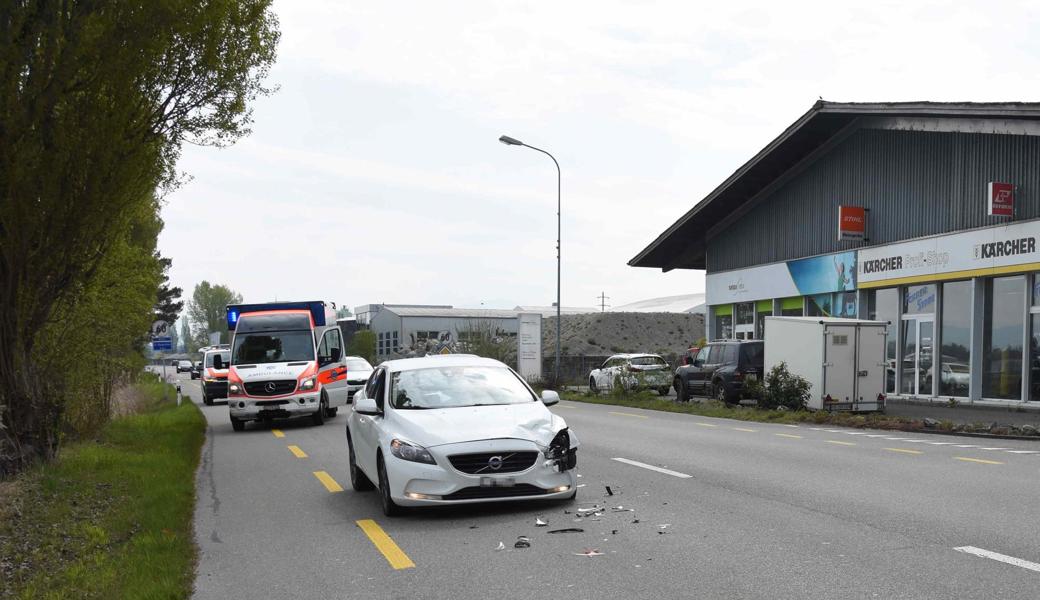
(684, 244)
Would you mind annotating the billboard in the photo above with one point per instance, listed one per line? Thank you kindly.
(852, 223)
(803, 277)
(529, 346)
(821, 274)
(1000, 199)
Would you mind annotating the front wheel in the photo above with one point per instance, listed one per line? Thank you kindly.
(663, 391)
(331, 413)
(358, 480)
(592, 386)
(682, 393)
(390, 508)
(720, 392)
(238, 424)
(318, 417)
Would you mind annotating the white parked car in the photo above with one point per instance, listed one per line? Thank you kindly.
(634, 371)
(457, 429)
(358, 372)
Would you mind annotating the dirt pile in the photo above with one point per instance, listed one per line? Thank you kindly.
(600, 334)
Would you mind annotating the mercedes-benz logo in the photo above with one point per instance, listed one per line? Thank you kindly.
(270, 387)
(495, 463)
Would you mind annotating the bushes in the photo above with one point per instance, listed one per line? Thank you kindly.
(780, 390)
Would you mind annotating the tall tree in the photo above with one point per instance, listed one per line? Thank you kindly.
(96, 99)
(207, 309)
(175, 338)
(168, 303)
(343, 312)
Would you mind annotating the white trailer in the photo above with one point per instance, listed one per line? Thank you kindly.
(842, 359)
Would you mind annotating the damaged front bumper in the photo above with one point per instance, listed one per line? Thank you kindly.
(498, 470)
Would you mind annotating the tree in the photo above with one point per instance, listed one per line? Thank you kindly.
(175, 338)
(189, 343)
(96, 99)
(343, 312)
(168, 303)
(364, 345)
(207, 310)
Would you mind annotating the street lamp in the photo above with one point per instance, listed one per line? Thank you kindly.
(505, 139)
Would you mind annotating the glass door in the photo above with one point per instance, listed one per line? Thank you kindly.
(918, 335)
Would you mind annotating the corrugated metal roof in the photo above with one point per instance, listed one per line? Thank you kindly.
(472, 313)
(683, 245)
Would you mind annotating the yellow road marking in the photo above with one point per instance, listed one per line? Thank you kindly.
(327, 480)
(743, 429)
(621, 414)
(840, 443)
(705, 424)
(788, 435)
(278, 433)
(391, 551)
(297, 452)
(978, 460)
(904, 450)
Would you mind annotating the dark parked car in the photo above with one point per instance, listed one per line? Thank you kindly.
(196, 369)
(720, 369)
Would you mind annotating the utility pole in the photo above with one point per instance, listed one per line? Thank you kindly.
(603, 297)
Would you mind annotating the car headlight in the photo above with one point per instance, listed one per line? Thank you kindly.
(234, 388)
(411, 452)
(308, 384)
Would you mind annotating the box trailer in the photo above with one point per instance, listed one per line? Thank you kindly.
(842, 359)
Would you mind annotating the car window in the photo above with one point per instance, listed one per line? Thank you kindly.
(457, 387)
(646, 361)
(716, 354)
(606, 363)
(703, 354)
(370, 385)
(752, 354)
(730, 354)
(334, 343)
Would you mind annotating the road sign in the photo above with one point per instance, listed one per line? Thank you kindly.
(160, 329)
(162, 343)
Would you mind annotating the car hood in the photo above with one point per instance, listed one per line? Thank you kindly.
(355, 374)
(528, 421)
(269, 371)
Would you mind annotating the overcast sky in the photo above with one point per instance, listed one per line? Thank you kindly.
(374, 174)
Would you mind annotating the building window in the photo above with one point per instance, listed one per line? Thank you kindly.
(845, 305)
(819, 305)
(1002, 334)
(723, 322)
(792, 307)
(745, 320)
(763, 309)
(883, 305)
(917, 332)
(955, 372)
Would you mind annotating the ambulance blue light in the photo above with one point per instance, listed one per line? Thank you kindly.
(316, 308)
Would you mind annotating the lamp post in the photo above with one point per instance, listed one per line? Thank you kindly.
(505, 139)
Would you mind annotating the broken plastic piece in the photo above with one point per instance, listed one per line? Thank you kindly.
(589, 552)
(540, 523)
(622, 509)
(613, 532)
(501, 546)
(609, 491)
(635, 520)
(568, 530)
(664, 525)
(522, 542)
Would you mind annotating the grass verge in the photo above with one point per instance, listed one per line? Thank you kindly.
(112, 517)
(711, 408)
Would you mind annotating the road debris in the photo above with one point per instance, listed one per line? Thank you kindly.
(538, 522)
(501, 546)
(609, 491)
(664, 525)
(522, 542)
(568, 530)
(589, 552)
(622, 509)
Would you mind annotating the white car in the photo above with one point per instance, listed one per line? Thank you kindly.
(358, 372)
(457, 429)
(634, 371)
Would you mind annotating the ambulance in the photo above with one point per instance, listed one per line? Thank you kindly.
(287, 360)
(214, 380)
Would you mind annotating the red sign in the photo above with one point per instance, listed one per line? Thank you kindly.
(1001, 199)
(852, 223)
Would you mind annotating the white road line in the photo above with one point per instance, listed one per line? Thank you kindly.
(1004, 558)
(941, 443)
(915, 441)
(965, 446)
(896, 439)
(877, 435)
(635, 463)
(1023, 451)
(834, 430)
(995, 448)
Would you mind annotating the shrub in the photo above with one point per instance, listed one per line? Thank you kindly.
(784, 389)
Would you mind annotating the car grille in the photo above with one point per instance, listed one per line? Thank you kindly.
(475, 493)
(271, 402)
(259, 388)
(477, 464)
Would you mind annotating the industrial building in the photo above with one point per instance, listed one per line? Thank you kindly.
(922, 214)
(399, 327)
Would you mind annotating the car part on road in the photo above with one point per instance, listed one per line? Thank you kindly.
(609, 491)
(568, 530)
(501, 546)
(538, 522)
(522, 542)
(589, 552)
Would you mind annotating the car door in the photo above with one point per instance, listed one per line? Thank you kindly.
(332, 367)
(369, 426)
(695, 381)
(611, 373)
(601, 374)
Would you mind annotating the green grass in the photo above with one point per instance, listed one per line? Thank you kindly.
(651, 401)
(112, 517)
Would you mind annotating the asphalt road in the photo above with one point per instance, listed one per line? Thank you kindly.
(734, 510)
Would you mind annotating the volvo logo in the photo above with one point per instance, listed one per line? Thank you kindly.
(495, 463)
(270, 387)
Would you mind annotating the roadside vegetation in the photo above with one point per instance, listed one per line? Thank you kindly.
(98, 99)
(111, 517)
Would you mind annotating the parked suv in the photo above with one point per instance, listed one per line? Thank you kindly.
(720, 370)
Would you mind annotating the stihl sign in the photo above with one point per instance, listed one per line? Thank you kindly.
(852, 223)
(1001, 199)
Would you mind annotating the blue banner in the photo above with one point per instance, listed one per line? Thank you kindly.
(823, 274)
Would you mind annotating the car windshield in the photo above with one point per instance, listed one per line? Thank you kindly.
(272, 346)
(752, 354)
(455, 387)
(358, 364)
(225, 357)
(648, 361)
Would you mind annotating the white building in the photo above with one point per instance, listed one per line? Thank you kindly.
(400, 327)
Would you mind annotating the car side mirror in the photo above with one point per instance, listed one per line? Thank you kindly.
(549, 397)
(218, 363)
(366, 406)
